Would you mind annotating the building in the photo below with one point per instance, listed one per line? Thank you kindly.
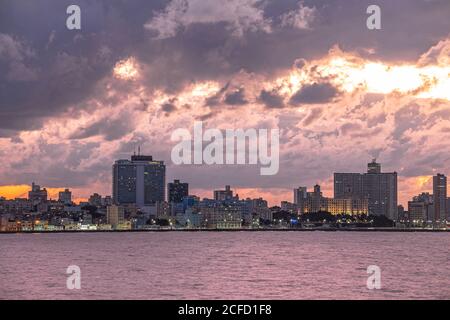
(348, 185)
(190, 201)
(222, 195)
(190, 219)
(379, 188)
(315, 202)
(163, 209)
(176, 191)
(95, 200)
(347, 206)
(256, 209)
(421, 209)
(98, 201)
(440, 198)
(402, 214)
(374, 167)
(417, 211)
(448, 208)
(300, 194)
(3, 223)
(37, 195)
(289, 207)
(140, 181)
(16, 206)
(222, 217)
(65, 197)
(107, 201)
(115, 216)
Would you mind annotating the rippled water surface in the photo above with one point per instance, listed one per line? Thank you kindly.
(226, 265)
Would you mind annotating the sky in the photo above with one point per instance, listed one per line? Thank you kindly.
(74, 101)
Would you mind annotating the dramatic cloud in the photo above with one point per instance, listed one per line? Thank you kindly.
(271, 99)
(16, 54)
(168, 107)
(239, 15)
(236, 97)
(314, 94)
(301, 18)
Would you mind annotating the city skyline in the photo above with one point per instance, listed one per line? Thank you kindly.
(53, 193)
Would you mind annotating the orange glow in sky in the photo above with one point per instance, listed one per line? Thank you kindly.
(350, 73)
(126, 69)
(21, 191)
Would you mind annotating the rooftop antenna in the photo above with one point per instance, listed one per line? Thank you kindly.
(139, 150)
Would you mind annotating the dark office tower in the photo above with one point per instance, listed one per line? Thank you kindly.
(300, 195)
(381, 191)
(379, 188)
(348, 186)
(448, 208)
(222, 195)
(65, 196)
(440, 197)
(177, 191)
(140, 181)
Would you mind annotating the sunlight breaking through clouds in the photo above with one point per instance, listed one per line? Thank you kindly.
(126, 69)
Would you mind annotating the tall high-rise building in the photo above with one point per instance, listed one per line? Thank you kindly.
(300, 194)
(65, 196)
(379, 188)
(348, 185)
(140, 181)
(448, 208)
(440, 197)
(177, 190)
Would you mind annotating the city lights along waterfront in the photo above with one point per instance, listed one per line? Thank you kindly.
(142, 201)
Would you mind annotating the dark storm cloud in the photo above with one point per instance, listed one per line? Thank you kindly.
(109, 129)
(271, 99)
(168, 108)
(315, 93)
(203, 51)
(5, 133)
(236, 98)
(48, 68)
(62, 166)
(55, 68)
(215, 99)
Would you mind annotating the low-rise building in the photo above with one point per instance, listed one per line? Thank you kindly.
(222, 217)
(115, 216)
(315, 202)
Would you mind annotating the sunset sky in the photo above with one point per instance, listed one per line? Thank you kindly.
(74, 101)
